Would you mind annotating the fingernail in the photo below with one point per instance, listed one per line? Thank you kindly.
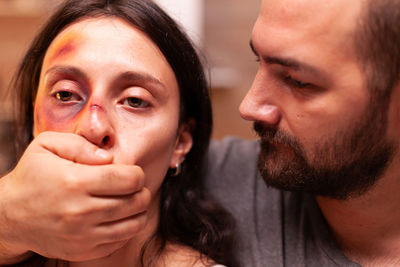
(101, 153)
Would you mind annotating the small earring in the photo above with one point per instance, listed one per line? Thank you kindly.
(177, 171)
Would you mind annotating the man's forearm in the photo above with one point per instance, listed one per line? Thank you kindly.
(8, 255)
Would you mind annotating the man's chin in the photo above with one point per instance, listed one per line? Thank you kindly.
(297, 177)
(281, 175)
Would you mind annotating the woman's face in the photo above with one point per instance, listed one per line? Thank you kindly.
(107, 81)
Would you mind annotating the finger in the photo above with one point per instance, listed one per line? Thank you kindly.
(73, 147)
(111, 180)
(115, 209)
(122, 229)
(98, 251)
(103, 250)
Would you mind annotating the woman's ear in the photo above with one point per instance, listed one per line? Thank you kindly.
(183, 144)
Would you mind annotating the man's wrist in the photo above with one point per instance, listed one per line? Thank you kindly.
(9, 258)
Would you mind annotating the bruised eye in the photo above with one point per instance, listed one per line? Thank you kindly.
(65, 96)
(135, 102)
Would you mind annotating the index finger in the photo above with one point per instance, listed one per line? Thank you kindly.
(112, 180)
(73, 147)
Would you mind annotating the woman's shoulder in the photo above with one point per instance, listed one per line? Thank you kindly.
(183, 256)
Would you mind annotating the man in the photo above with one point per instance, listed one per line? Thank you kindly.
(326, 105)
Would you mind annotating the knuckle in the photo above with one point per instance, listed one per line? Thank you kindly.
(140, 201)
(129, 229)
(132, 228)
(133, 184)
(137, 224)
(73, 218)
(107, 249)
(71, 181)
(136, 175)
(146, 196)
(40, 139)
(118, 235)
(70, 221)
(43, 136)
(138, 171)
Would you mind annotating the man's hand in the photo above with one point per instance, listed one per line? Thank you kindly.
(65, 199)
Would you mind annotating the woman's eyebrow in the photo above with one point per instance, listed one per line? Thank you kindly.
(134, 76)
(67, 70)
(127, 76)
(156, 86)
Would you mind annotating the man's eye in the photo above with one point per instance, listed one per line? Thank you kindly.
(136, 102)
(65, 96)
(296, 83)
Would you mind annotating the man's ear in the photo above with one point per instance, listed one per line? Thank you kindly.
(183, 144)
(394, 110)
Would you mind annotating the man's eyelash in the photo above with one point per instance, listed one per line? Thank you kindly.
(295, 83)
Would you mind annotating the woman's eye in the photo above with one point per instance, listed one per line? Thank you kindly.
(65, 96)
(136, 102)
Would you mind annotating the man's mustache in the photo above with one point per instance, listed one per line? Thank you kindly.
(272, 135)
(264, 131)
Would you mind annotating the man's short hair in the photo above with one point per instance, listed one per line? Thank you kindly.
(378, 46)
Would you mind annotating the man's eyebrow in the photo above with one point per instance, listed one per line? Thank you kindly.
(289, 63)
(286, 62)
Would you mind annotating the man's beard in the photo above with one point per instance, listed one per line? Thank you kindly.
(344, 166)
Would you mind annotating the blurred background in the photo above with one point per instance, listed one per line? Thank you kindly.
(221, 29)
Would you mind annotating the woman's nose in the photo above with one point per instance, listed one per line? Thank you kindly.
(95, 124)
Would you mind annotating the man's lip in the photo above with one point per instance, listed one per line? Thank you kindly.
(273, 144)
(269, 141)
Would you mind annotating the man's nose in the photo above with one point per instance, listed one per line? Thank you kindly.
(260, 105)
(95, 124)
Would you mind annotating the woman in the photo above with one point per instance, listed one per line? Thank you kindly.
(112, 91)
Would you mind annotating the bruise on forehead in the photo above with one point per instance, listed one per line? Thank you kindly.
(63, 45)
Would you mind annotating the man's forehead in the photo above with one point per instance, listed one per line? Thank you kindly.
(284, 24)
(304, 11)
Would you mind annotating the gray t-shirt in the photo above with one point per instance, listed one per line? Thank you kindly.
(275, 228)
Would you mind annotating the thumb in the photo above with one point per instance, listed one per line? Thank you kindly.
(71, 147)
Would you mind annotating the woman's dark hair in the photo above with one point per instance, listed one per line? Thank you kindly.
(186, 216)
